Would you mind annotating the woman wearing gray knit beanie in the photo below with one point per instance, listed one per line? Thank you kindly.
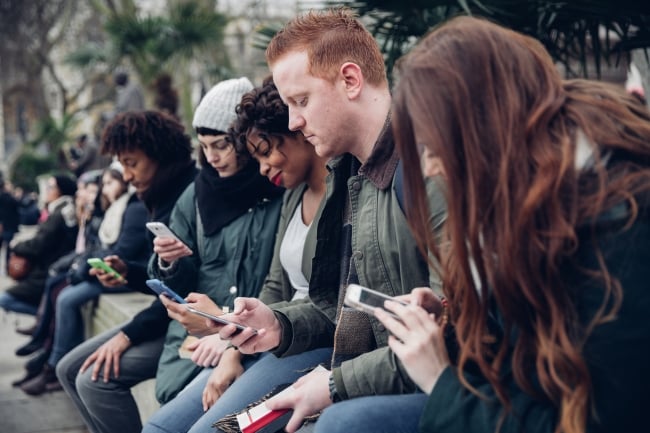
(227, 221)
(285, 157)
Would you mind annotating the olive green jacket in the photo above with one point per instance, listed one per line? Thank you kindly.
(385, 257)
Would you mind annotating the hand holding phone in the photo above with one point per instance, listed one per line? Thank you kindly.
(160, 288)
(98, 263)
(365, 299)
(220, 320)
(167, 250)
(161, 230)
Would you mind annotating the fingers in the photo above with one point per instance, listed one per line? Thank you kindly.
(195, 297)
(411, 315)
(107, 368)
(242, 304)
(96, 367)
(205, 400)
(172, 306)
(247, 340)
(295, 422)
(393, 325)
(88, 362)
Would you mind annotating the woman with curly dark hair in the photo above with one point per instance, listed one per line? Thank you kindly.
(545, 256)
(287, 159)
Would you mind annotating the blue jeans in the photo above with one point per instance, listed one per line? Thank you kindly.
(43, 325)
(185, 412)
(69, 325)
(375, 414)
(10, 303)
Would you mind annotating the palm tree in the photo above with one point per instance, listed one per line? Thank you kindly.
(191, 33)
(577, 33)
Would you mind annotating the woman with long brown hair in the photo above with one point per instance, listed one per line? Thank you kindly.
(544, 259)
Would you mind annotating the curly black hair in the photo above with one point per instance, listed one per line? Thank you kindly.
(159, 135)
(263, 110)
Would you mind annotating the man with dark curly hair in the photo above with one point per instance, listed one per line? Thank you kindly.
(156, 155)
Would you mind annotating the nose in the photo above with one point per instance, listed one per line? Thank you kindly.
(212, 155)
(264, 168)
(296, 121)
(127, 175)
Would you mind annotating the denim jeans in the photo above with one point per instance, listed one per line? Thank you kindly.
(185, 412)
(11, 303)
(69, 325)
(109, 407)
(374, 414)
(43, 325)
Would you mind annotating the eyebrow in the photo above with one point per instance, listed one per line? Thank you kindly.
(216, 140)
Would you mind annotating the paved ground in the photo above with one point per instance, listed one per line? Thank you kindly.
(20, 413)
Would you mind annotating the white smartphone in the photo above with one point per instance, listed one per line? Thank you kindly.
(219, 320)
(161, 230)
(365, 299)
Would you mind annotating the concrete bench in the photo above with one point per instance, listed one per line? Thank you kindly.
(111, 310)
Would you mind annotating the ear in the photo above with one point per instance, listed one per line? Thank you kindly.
(352, 79)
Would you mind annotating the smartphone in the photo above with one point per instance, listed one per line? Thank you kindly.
(160, 288)
(161, 230)
(98, 263)
(220, 320)
(365, 299)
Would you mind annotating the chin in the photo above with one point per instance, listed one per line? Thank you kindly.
(324, 151)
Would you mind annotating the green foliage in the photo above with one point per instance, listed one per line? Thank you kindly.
(154, 43)
(28, 166)
(570, 31)
(53, 133)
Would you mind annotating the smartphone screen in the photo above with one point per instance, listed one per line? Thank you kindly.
(219, 320)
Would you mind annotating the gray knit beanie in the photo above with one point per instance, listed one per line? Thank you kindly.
(217, 108)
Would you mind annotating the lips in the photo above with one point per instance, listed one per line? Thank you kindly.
(277, 179)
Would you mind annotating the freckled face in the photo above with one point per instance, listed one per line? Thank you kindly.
(317, 107)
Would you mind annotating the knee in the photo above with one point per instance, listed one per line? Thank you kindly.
(66, 370)
(67, 298)
(85, 386)
(336, 418)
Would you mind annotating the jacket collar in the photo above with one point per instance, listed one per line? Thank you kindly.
(54, 204)
(382, 163)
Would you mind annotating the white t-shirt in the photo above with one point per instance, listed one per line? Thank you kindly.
(291, 249)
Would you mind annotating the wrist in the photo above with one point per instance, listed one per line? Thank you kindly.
(334, 395)
(125, 337)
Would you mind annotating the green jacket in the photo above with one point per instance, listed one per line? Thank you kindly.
(231, 263)
(617, 352)
(385, 257)
(277, 287)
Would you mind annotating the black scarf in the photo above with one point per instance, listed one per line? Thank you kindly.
(222, 200)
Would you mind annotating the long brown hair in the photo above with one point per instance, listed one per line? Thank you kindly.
(489, 102)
